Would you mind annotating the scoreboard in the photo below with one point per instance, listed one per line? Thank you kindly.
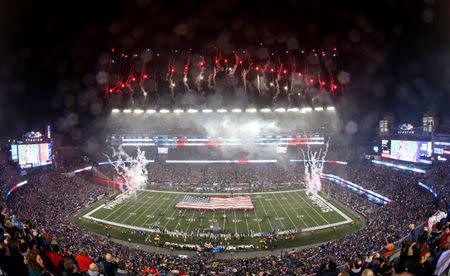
(32, 155)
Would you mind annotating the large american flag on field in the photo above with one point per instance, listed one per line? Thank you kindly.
(216, 203)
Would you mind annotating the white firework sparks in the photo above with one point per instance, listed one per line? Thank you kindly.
(132, 170)
(313, 168)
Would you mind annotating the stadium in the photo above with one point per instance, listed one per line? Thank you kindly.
(227, 160)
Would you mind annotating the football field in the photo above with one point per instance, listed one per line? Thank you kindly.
(281, 211)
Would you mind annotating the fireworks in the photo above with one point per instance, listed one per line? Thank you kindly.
(314, 162)
(131, 171)
(289, 75)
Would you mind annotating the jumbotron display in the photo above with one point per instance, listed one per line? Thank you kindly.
(34, 155)
(410, 151)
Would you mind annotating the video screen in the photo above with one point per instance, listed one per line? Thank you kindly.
(35, 155)
(386, 148)
(14, 155)
(411, 151)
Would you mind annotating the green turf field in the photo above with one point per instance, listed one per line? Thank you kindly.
(279, 211)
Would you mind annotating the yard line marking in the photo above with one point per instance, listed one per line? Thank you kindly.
(317, 212)
(183, 212)
(267, 216)
(190, 221)
(123, 204)
(304, 210)
(235, 222)
(246, 221)
(153, 213)
(282, 207)
(299, 215)
(152, 198)
(257, 220)
(347, 218)
(171, 204)
(132, 206)
(276, 213)
(224, 219)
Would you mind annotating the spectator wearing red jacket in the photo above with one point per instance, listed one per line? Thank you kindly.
(83, 260)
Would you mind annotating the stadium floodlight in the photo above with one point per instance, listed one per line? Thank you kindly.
(330, 108)
(150, 111)
(222, 110)
(207, 110)
(127, 111)
(138, 111)
(164, 111)
(190, 110)
(266, 110)
(178, 111)
(280, 109)
(250, 110)
(115, 110)
(236, 110)
(318, 108)
(293, 109)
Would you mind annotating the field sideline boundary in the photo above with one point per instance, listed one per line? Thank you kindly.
(346, 221)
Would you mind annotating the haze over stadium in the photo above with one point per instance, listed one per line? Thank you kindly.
(224, 138)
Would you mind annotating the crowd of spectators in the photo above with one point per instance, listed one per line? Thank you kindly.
(39, 238)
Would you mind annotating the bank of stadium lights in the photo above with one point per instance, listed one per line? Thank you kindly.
(223, 110)
(306, 110)
(293, 109)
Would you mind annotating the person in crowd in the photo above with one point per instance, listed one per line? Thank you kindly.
(109, 265)
(35, 264)
(93, 270)
(83, 260)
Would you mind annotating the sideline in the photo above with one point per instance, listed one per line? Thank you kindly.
(347, 219)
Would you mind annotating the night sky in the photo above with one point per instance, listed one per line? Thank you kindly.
(396, 52)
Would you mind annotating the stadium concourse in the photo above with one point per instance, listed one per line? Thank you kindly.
(39, 234)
